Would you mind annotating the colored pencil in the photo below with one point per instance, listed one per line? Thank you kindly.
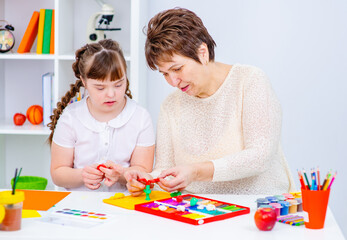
(301, 180)
(308, 183)
(332, 180)
(314, 185)
(313, 182)
(318, 187)
(324, 182)
(327, 182)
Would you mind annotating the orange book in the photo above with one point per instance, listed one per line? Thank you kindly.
(30, 34)
(51, 49)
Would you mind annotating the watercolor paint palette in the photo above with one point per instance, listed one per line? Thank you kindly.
(204, 210)
(82, 215)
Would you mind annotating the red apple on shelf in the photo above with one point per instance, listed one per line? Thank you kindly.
(19, 119)
(265, 218)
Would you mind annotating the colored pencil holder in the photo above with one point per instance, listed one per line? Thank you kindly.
(315, 204)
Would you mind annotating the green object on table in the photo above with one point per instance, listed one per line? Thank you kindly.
(147, 190)
(175, 194)
(30, 183)
(193, 201)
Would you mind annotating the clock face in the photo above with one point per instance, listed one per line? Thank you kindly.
(6, 40)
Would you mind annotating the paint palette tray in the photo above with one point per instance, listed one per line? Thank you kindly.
(204, 211)
(82, 215)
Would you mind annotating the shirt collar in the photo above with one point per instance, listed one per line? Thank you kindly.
(92, 124)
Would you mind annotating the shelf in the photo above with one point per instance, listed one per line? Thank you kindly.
(34, 56)
(29, 56)
(7, 127)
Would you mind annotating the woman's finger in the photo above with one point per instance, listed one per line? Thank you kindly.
(168, 172)
(172, 182)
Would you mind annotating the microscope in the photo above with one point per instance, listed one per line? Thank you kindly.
(95, 34)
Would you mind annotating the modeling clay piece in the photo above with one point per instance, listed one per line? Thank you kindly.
(117, 196)
(147, 190)
(148, 182)
(101, 165)
(193, 201)
(181, 208)
(175, 194)
(179, 199)
(162, 207)
(200, 207)
(210, 207)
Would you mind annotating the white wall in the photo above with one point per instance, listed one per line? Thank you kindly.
(301, 45)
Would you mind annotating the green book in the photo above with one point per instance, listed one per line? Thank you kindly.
(47, 31)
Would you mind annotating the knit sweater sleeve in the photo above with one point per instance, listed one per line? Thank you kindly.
(261, 129)
(164, 149)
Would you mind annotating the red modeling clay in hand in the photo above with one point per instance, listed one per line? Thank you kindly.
(148, 182)
(101, 165)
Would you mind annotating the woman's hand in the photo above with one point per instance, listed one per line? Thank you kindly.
(135, 187)
(182, 176)
(92, 177)
(112, 172)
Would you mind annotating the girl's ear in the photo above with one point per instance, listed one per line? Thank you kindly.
(203, 54)
(84, 82)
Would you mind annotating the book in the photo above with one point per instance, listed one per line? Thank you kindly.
(51, 47)
(40, 31)
(47, 100)
(30, 34)
(46, 42)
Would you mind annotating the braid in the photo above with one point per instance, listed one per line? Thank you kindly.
(74, 88)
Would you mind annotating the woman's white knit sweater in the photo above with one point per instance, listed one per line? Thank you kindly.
(238, 128)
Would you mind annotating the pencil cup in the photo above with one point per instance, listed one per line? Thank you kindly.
(11, 210)
(315, 205)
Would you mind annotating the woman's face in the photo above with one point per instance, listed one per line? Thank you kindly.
(185, 74)
(107, 96)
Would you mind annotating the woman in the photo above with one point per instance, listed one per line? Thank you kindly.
(220, 131)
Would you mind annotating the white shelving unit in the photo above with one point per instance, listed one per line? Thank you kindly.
(20, 74)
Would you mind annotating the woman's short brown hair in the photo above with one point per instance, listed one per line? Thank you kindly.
(176, 31)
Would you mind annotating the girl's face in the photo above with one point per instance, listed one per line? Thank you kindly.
(185, 74)
(107, 96)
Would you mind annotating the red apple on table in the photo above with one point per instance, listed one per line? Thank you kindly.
(265, 218)
(19, 119)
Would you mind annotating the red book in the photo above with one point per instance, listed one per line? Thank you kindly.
(51, 49)
(30, 34)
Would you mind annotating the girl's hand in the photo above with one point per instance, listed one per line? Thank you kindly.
(112, 173)
(182, 177)
(135, 187)
(92, 177)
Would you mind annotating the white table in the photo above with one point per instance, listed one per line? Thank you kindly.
(131, 224)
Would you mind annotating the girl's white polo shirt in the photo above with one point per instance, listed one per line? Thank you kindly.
(97, 142)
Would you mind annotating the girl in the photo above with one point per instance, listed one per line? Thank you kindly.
(105, 127)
